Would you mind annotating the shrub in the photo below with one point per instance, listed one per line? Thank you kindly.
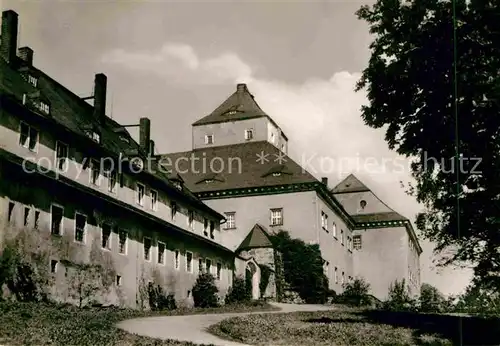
(239, 292)
(303, 267)
(159, 300)
(205, 291)
(356, 293)
(265, 274)
(399, 298)
(431, 300)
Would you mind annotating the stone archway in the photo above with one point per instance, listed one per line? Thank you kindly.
(252, 276)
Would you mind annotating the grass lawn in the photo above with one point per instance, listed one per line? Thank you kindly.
(40, 324)
(318, 328)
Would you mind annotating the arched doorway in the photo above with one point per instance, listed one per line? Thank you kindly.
(252, 276)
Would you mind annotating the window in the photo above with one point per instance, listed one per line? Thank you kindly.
(283, 147)
(327, 264)
(94, 172)
(205, 227)
(111, 181)
(53, 266)
(336, 276)
(122, 179)
(219, 269)
(161, 252)
(190, 220)
(248, 135)
(276, 217)
(277, 174)
(122, 242)
(362, 204)
(200, 265)
(80, 223)
(147, 248)
(154, 200)
(334, 230)
(61, 156)
(231, 221)
(177, 184)
(118, 280)
(95, 136)
(208, 266)
(324, 221)
(189, 262)
(37, 219)
(209, 139)
(272, 137)
(28, 137)
(342, 237)
(32, 80)
(11, 210)
(177, 259)
(343, 278)
(26, 216)
(57, 220)
(173, 210)
(140, 189)
(212, 229)
(44, 107)
(106, 236)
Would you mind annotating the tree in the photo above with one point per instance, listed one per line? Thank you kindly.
(399, 298)
(239, 292)
(431, 300)
(205, 291)
(433, 83)
(303, 267)
(356, 292)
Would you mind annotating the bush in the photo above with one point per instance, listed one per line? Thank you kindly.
(159, 300)
(431, 300)
(303, 268)
(205, 291)
(399, 298)
(356, 293)
(239, 292)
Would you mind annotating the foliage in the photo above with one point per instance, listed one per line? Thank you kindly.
(431, 300)
(303, 267)
(319, 328)
(142, 291)
(444, 115)
(159, 300)
(239, 292)
(480, 301)
(265, 274)
(399, 298)
(356, 293)
(84, 281)
(205, 291)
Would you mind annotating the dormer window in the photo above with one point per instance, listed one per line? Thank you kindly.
(94, 136)
(44, 107)
(208, 181)
(231, 112)
(177, 184)
(277, 174)
(32, 80)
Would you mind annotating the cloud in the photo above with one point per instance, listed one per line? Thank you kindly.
(321, 117)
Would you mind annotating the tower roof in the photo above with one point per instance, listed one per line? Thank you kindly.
(256, 238)
(240, 105)
(350, 184)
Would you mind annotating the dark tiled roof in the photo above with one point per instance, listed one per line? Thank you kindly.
(257, 238)
(350, 184)
(378, 217)
(76, 115)
(239, 106)
(241, 167)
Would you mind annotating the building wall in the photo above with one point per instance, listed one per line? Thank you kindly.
(30, 191)
(301, 218)
(350, 202)
(382, 258)
(44, 156)
(230, 132)
(276, 137)
(413, 268)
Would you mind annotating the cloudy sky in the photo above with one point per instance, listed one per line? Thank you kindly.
(175, 62)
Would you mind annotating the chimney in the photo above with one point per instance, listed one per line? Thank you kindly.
(324, 180)
(26, 54)
(145, 134)
(8, 48)
(241, 87)
(152, 147)
(100, 84)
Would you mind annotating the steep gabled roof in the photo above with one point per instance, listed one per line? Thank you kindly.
(240, 105)
(350, 184)
(256, 238)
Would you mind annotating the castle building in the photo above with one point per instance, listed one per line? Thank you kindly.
(77, 184)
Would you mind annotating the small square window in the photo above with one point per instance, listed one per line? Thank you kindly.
(231, 220)
(44, 107)
(32, 80)
(209, 139)
(276, 217)
(248, 135)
